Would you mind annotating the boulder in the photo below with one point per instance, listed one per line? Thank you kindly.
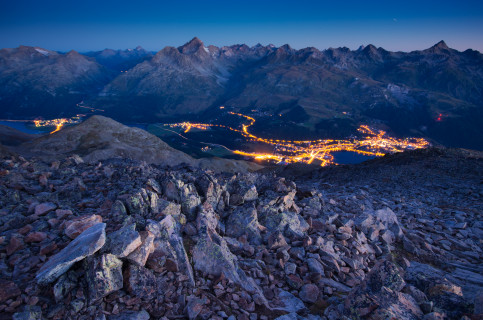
(165, 208)
(123, 241)
(315, 266)
(138, 204)
(86, 244)
(169, 243)
(379, 296)
(209, 189)
(286, 302)
(44, 208)
(288, 222)
(212, 256)
(140, 281)
(66, 283)
(309, 293)
(28, 313)
(190, 201)
(130, 315)
(141, 254)
(374, 223)
(76, 226)
(442, 289)
(244, 221)
(104, 275)
(194, 306)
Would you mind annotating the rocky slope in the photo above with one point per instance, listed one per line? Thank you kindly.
(395, 238)
(435, 92)
(12, 137)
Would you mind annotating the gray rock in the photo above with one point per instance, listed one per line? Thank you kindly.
(44, 208)
(330, 263)
(287, 302)
(441, 288)
(290, 268)
(379, 296)
(140, 282)
(28, 313)
(277, 240)
(244, 220)
(212, 256)
(478, 302)
(315, 266)
(130, 315)
(170, 242)
(288, 222)
(154, 185)
(194, 306)
(334, 284)
(104, 275)
(64, 285)
(309, 293)
(190, 201)
(138, 204)
(141, 254)
(165, 208)
(86, 244)
(122, 242)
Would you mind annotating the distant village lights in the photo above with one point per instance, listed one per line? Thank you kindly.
(374, 143)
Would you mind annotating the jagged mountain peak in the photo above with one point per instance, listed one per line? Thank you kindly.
(441, 45)
(192, 46)
(370, 48)
(438, 48)
(73, 53)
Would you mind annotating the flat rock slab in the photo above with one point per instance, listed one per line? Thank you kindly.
(130, 315)
(76, 226)
(287, 302)
(86, 244)
(124, 241)
(141, 254)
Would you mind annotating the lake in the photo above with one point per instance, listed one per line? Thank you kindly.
(25, 127)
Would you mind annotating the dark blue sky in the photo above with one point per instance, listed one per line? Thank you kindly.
(94, 25)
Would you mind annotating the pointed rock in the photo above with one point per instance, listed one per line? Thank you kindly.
(168, 244)
(141, 254)
(86, 244)
(211, 255)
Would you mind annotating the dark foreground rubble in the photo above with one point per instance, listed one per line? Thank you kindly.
(396, 238)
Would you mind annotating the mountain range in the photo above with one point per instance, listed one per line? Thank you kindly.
(436, 93)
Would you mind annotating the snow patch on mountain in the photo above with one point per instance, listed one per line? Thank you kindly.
(41, 51)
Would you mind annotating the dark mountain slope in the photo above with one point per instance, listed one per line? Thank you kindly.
(39, 82)
(435, 93)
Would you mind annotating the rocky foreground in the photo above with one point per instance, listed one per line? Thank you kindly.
(395, 238)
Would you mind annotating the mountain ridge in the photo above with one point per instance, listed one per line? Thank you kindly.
(407, 91)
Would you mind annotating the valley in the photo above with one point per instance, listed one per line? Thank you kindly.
(434, 93)
(229, 135)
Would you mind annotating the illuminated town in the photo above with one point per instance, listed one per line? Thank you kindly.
(372, 143)
(57, 123)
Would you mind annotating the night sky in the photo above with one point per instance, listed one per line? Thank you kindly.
(94, 25)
